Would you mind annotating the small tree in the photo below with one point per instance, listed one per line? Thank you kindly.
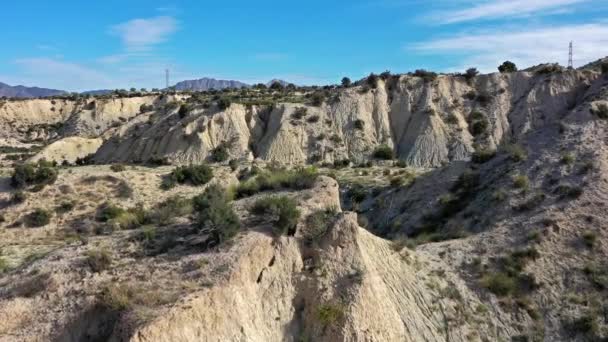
(471, 73)
(223, 103)
(132, 90)
(372, 80)
(346, 82)
(383, 152)
(276, 85)
(507, 67)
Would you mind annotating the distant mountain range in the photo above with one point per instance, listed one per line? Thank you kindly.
(198, 85)
(22, 91)
(211, 83)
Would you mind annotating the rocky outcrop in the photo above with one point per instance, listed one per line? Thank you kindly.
(68, 150)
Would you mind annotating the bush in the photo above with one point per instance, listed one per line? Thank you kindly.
(568, 159)
(299, 113)
(220, 153)
(28, 174)
(589, 238)
(299, 179)
(568, 191)
(383, 152)
(64, 207)
(223, 103)
(346, 82)
(194, 175)
(215, 214)
(117, 167)
(317, 224)
(471, 73)
(281, 210)
(18, 197)
(521, 182)
(175, 206)
(426, 75)
(38, 218)
(233, 164)
(317, 99)
(330, 314)
(507, 66)
(500, 283)
(99, 260)
(359, 124)
(604, 68)
(372, 81)
(313, 119)
(516, 153)
(478, 123)
(483, 156)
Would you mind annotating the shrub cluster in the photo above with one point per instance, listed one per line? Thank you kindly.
(478, 123)
(298, 179)
(215, 214)
(38, 218)
(41, 174)
(194, 175)
(507, 67)
(384, 152)
(282, 211)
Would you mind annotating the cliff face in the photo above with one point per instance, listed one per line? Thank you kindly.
(427, 123)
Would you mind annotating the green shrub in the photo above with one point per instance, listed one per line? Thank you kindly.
(215, 214)
(299, 179)
(65, 207)
(383, 152)
(195, 175)
(223, 103)
(521, 182)
(99, 259)
(117, 167)
(597, 275)
(426, 75)
(38, 218)
(568, 159)
(471, 73)
(175, 206)
(233, 164)
(282, 211)
(108, 212)
(18, 197)
(478, 123)
(299, 113)
(318, 223)
(507, 67)
(317, 99)
(330, 314)
(481, 156)
(28, 174)
(220, 153)
(346, 82)
(516, 152)
(589, 238)
(587, 325)
(569, 191)
(372, 81)
(531, 202)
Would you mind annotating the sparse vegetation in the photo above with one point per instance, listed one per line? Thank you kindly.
(516, 152)
(589, 239)
(195, 175)
(298, 179)
(215, 214)
(601, 111)
(38, 218)
(117, 167)
(330, 314)
(478, 123)
(383, 152)
(481, 156)
(372, 81)
(220, 153)
(521, 182)
(283, 212)
(99, 259)
(41, 174)
(318, 223)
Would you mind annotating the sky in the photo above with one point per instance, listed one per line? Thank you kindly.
(80, 45)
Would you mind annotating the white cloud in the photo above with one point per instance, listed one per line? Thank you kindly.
(141, 34)
(493, 9)
(525, 46)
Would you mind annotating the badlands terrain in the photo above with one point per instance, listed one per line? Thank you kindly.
(413, 207)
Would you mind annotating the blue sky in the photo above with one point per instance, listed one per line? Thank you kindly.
(82, 45)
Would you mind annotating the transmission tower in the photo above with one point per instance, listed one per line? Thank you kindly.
(167, 78)
(570, 64)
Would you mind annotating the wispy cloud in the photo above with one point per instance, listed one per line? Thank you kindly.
(141, 34)
(525, 46)
(494, 9)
